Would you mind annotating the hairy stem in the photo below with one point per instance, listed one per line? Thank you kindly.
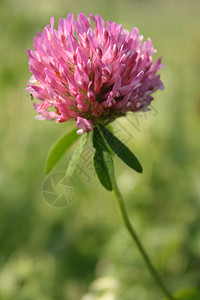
(138, 243)
(132, 232)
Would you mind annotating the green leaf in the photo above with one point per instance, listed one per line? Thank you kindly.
(121, 150)
(103, 161)
(98, 141)
(101, 169)
(76, 155)
(191, 293)
(59, 149)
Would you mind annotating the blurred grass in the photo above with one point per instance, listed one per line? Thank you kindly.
(49, 253)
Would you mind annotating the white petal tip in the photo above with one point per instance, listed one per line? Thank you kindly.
(80, 131)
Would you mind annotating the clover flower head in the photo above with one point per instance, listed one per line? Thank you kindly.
(91, 75)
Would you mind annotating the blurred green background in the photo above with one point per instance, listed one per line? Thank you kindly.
(83, 251)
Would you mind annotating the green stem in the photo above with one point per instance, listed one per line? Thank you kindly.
(138, 243)
(133, 234)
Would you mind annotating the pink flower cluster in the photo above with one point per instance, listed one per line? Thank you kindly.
(92, 76)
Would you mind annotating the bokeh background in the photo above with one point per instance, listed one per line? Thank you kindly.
(83, 251)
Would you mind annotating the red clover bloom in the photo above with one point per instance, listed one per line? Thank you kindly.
(94, 75)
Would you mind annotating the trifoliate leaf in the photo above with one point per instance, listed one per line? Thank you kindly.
(121, 150)
(103, 161)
